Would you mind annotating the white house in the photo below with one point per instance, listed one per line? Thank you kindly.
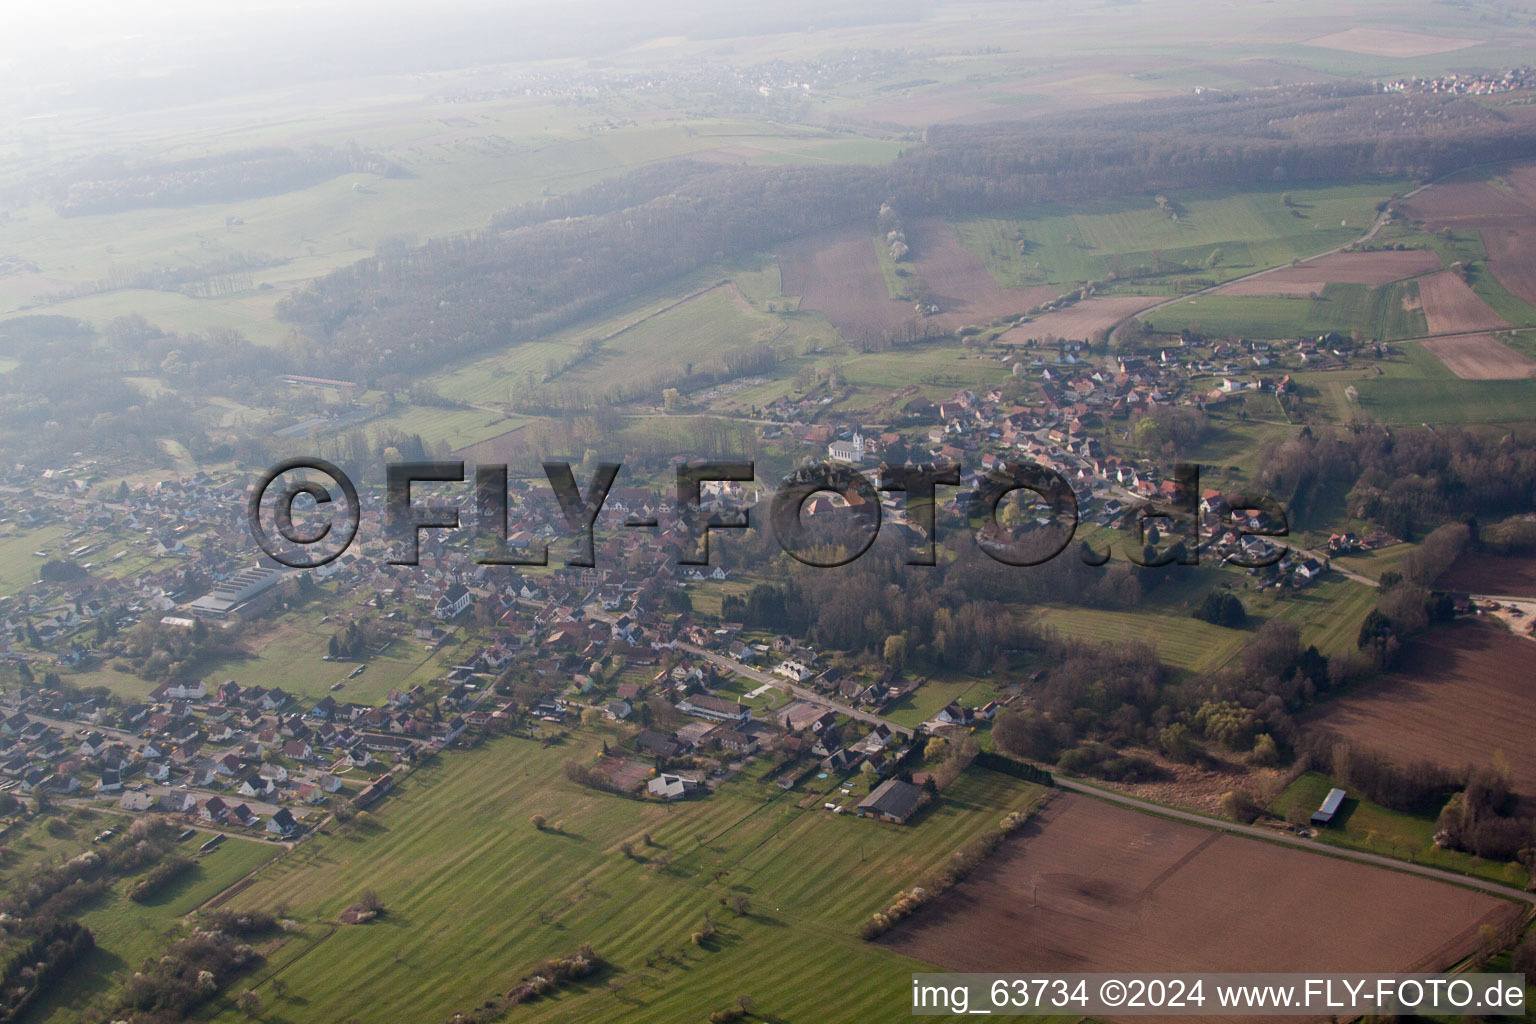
(670, 787)
(789, 668)
(194, 690)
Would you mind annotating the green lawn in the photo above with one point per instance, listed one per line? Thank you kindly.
(286, 650)
(290, 657)
(475, 896)
(1362, 825)
(927, 700)
(1374, 563)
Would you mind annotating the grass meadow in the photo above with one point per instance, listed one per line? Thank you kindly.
(475, 897)
(1363, 825)
(127, 932)
(1376, 312)
(1063, 246)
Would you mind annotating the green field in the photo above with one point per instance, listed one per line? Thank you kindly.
(927, 700)
(1329, 612)
(1374, 312)
(127, 932)
(454, 427)
(18, 565)
(1362, 825)
(1180, 640)
(685, 337)
(1414, 388)
(1089, 241)
(475, 897)
(1449, 401)
(290, 658)
(289, 655)
(462, 168)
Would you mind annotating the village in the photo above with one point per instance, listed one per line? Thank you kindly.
(538, 651)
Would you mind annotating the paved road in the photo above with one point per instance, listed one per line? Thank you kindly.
(1072, 785)
(1311, 845)
(759, 676)
(73, 729)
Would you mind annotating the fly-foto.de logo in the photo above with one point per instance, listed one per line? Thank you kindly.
(333, 514)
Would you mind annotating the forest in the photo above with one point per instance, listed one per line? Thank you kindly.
(544, 266)
(109, 184)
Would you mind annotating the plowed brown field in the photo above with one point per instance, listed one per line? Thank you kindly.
(1373, 268)
(1079, 320)
(1088, 886)
(1387, 42)
(837, 273)
(1451, 306)
(965, 291)
(1477, 572)
(1502, 212)
(1480, 357)
(1466, 691)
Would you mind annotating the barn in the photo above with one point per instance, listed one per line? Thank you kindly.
(1331, 803)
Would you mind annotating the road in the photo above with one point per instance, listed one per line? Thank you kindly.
(809, 696)
(1145, 806)
(73, 729)
(1311, 845)
(759, 676)
(1376, 225)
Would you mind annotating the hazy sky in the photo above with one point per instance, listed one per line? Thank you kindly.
(118, 55)
(67, 52)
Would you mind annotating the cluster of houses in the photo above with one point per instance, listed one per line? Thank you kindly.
(1470, 83)
(217, 754)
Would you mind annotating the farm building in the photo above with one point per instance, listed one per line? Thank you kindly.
(1331, 803)
(892, 800)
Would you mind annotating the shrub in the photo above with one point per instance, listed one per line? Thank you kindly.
(1240, 805)
(163, 874)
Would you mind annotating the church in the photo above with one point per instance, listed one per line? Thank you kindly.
(847, 451)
